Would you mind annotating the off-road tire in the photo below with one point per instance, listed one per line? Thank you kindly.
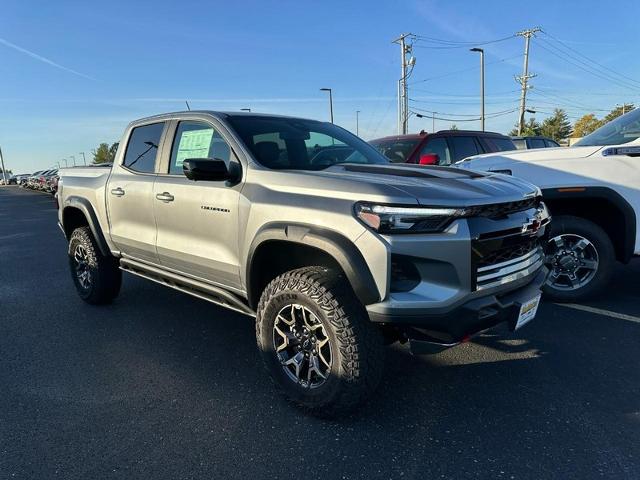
(568, 224)
(356, 344)
(105, 278)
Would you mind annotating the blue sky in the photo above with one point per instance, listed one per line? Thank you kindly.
(74, 73)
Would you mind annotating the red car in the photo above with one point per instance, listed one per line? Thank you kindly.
(441, 148)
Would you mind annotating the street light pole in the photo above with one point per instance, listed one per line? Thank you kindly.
(84, 159)
(357, 123)
(4, 172)
(330, 101)
(65, 162)
(481, 51)
(74, 159)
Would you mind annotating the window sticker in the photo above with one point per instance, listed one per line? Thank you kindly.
(194, 144)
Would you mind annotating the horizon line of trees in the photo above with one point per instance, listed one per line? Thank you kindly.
(559, 127)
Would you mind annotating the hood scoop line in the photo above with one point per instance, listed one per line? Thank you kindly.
(414, 171)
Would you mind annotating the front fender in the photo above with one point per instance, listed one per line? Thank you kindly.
(340, 248)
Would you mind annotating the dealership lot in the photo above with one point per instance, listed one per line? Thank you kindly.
(162, 385)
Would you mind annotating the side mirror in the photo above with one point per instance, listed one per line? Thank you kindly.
(429, 159)
(207, 169)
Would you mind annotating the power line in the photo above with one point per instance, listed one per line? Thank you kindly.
(501, 112)
(565, 57)
(455, 72)
(603, 67)
(454, 43)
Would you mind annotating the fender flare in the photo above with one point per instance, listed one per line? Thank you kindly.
(336, 245)
(86, 208)
(577, 192)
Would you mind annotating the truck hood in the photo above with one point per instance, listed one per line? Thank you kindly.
(415, 184)
(534, 155)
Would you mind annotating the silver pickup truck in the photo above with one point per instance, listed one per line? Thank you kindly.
(301, 224)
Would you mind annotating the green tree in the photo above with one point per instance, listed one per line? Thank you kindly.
(585, 125)
(453, 127)
(616, 112)
(557, 126)
(531, 128)
(104, 153)
(112, 151)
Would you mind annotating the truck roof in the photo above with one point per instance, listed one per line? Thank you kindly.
(422, 134)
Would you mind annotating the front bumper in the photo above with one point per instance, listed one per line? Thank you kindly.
(466, 319)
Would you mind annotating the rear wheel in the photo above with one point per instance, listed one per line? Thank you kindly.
(580, 257)
(97, 277)
(317, 342)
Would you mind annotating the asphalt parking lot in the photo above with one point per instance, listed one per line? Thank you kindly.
(162, 385)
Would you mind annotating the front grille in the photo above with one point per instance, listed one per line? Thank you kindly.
(507, 253)
(500, 210)
(510, 270)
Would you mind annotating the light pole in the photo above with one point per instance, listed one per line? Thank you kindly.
(72, 157)
(65, 162)
(330, 101)
(357, 123)
(481, 51)
(84, 159)
(4, 173)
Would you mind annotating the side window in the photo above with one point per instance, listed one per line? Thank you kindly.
(536, 143)
(551, 143)
(439, 147)
(464, 147)
(197, 140)
(142, 148)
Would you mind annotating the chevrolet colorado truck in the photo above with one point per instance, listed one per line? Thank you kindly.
(593, 191)
(335, 255)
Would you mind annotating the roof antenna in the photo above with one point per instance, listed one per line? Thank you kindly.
(188, 107)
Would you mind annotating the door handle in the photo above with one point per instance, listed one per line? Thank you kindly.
(165, 197)
(118, 192)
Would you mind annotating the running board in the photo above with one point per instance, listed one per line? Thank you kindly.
(193, 287)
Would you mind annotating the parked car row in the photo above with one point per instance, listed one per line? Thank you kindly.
(43, 180)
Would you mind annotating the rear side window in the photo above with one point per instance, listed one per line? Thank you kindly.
(536, 143)
(142, 148)
(551, 143)
(464, 147)
(498, 144)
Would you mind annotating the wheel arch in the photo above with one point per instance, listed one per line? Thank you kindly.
(78, 212)
(601, 205)
(282, 247)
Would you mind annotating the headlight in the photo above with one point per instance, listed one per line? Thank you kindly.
(396, 219)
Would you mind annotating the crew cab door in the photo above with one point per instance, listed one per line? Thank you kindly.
(129, 193)
(197, 221)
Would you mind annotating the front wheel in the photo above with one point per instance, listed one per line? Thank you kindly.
(580, 258)
(317, 342)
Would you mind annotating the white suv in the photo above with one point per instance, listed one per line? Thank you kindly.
(593, 192)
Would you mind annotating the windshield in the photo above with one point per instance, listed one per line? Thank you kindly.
(296, 144)
(397, 151)
(623, 129)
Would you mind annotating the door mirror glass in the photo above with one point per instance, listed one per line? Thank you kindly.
(207, 169)
(429, 159)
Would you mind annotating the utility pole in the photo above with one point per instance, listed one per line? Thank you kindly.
(403, 97)
(481, 51)
(523, 79)
(357, 123)
(4, 172)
